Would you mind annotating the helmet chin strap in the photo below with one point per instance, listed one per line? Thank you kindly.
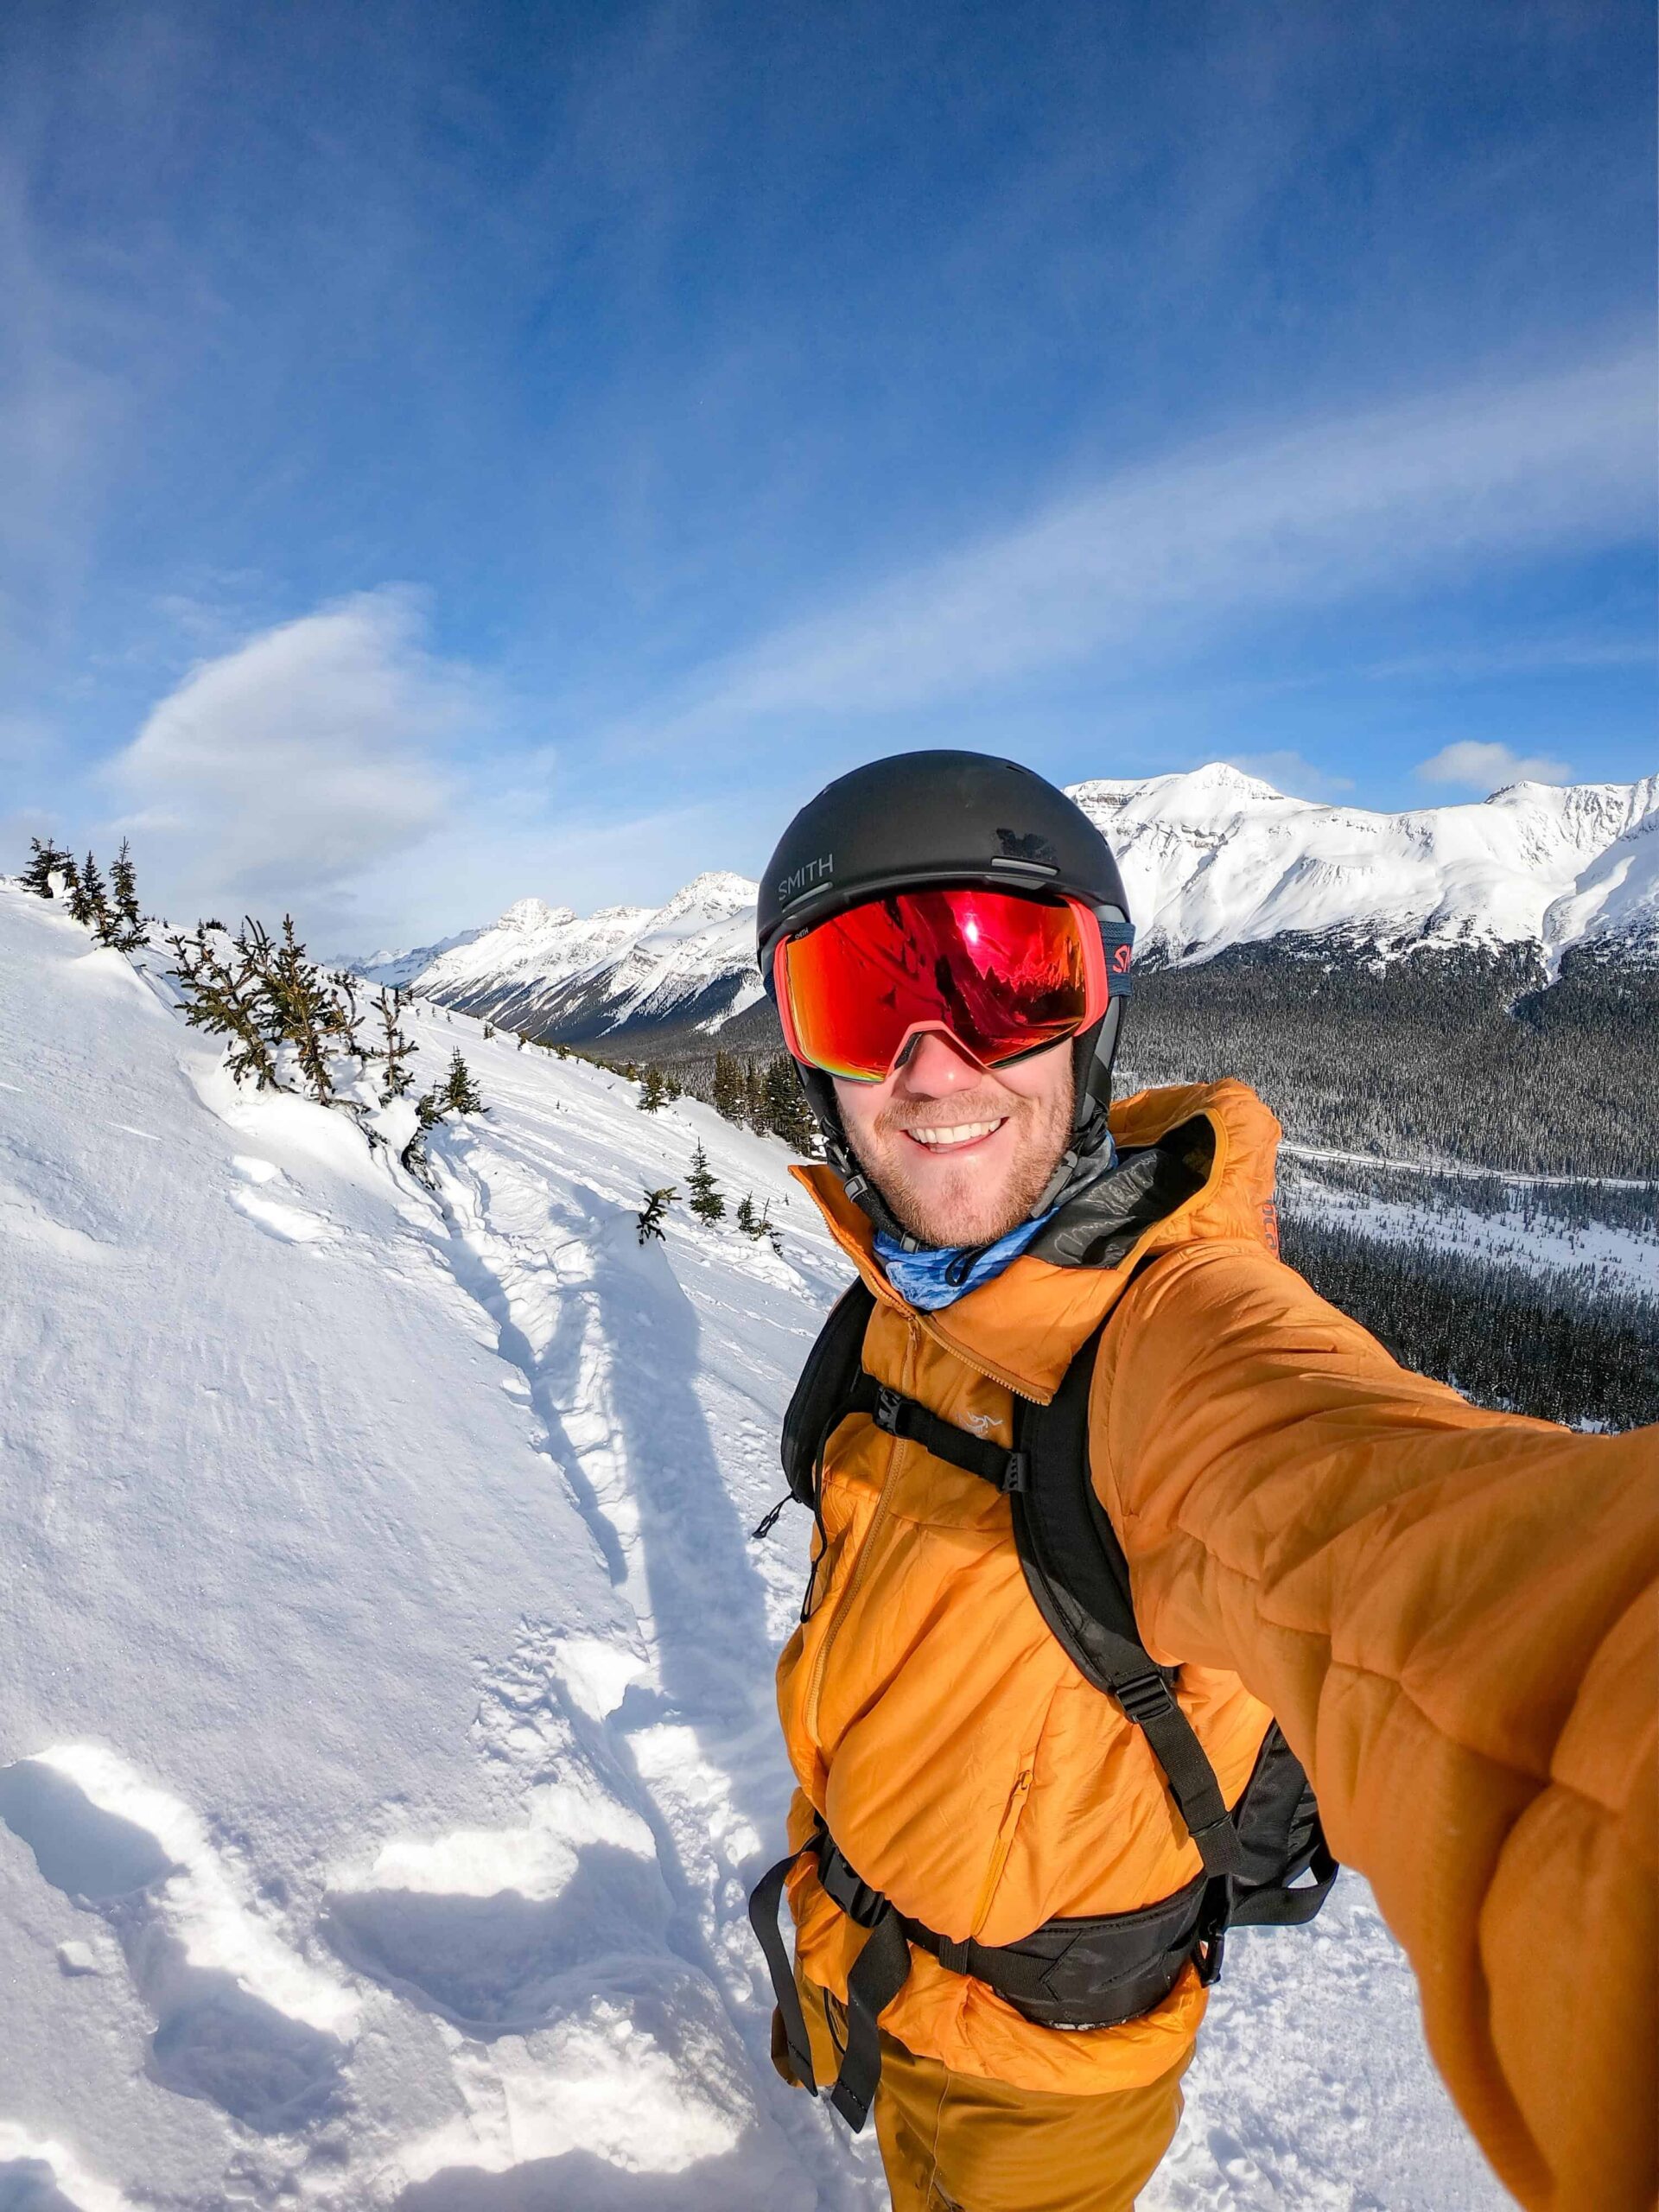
(1093, 1051)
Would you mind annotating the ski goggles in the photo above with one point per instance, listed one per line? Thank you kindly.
(1004, 973)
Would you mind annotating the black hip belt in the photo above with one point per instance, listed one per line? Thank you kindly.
(1067, 1973)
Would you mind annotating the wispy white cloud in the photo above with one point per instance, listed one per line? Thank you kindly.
(1168, 559)
(280, 773)
(1486, 768)
(1287, 771)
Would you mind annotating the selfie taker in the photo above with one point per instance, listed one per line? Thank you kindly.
(1146, 1586)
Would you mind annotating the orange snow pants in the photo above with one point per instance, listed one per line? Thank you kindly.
(954, 2143)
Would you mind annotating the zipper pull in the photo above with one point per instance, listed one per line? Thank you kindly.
(769, 1521)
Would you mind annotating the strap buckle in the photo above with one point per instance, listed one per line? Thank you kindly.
(1016, 1474)
(889, 1404)
(1144, 1698)
(845, 1887)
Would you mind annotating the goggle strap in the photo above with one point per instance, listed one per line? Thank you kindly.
(1118, 940)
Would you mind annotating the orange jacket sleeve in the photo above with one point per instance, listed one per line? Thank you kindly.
(1455, 1616)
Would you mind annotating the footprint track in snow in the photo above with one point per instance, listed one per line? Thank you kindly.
(242, 2021)
(501, 1929)
(38, 2176)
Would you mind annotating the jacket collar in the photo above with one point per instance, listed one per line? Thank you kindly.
(1196, 1162)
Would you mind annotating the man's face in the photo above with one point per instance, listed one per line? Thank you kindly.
(961, 1152)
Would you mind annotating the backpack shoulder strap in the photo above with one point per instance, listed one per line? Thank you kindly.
(832, 1383)
(1079, 1579)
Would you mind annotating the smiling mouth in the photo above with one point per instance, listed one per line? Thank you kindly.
(952, 1140)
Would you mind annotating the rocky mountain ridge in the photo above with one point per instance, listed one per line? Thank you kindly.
(1213, 860)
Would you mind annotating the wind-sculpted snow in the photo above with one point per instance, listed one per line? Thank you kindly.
(386, 1738)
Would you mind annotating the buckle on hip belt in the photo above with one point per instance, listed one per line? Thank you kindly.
(848, 1889)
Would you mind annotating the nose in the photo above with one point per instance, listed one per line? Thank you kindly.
(936, 1067)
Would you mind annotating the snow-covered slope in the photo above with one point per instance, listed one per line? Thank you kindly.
(1210, 859)
(387, 1730)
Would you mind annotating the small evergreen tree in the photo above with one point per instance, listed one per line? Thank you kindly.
(223, 993)
(488, 1032)
(395, 1050)
(653, 1092)
(308, 1013)
(130, 931)
(769, 1230)
(429, 1112)
(652, 1215)
(89, 903)
(788, 1114)
(729, 1100)
(460, 1095)
(746, 1219)
(672, 1087)
(705, 1201)
(755, 1098)
(46, 861)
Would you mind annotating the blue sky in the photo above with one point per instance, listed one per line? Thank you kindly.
(451, 452)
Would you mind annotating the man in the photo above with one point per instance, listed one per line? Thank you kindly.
(1440, 1607)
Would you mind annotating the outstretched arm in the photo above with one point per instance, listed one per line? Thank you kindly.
(1455, 1616)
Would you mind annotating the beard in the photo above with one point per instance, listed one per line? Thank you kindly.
(944, 1207)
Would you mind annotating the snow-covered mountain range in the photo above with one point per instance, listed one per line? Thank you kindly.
(1211, 859)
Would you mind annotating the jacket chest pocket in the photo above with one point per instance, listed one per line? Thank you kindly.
(1007, 1828)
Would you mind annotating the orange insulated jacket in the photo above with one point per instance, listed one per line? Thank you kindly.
(1453, 1614)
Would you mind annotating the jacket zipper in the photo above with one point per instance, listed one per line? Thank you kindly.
(979, 1366)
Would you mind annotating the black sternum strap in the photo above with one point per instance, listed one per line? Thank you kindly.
(891, 1410)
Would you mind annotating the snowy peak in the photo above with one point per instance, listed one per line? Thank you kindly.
(529, 916)
(716, 895)
(1218, 858)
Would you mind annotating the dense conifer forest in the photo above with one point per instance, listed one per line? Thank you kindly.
(1450, 1055)
(1558, 1345)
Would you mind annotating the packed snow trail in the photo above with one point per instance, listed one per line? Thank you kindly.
(387, 1732)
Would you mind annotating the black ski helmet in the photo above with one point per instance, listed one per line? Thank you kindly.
(944, 817)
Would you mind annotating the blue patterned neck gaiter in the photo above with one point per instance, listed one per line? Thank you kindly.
(937, 1276)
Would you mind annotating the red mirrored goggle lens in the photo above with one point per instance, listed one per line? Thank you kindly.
(1004, 973)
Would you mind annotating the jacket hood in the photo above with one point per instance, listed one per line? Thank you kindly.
(1195, 1162)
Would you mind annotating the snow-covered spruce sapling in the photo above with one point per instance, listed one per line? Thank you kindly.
(47, 861)
(395, 1050)
(745, 1217)
(652, 1215)
(705, 1201)
(309, 1015)
(429, 1112)
(224, 995)
(460, 1094)
(653, 1092)
(89, 903)
(130, 931)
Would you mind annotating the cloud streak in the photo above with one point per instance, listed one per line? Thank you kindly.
(1175, 556)
(1474, 766)
(280, 773)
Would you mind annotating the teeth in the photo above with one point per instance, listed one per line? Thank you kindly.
(964, 1133)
